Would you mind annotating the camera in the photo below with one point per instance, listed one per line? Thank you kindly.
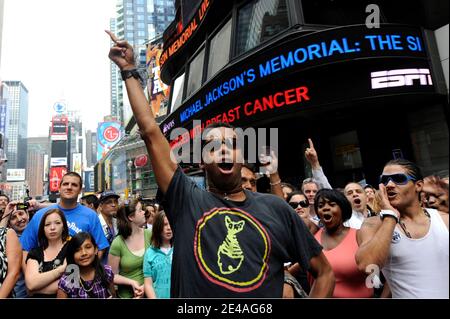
(23, 206)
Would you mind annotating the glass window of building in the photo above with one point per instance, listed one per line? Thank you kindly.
(141, 2)
(140, 9)
(219, 50)
(259, 21)
(177, 93)
(150, 6)
(195, 73)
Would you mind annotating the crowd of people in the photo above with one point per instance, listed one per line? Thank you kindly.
(229, 240)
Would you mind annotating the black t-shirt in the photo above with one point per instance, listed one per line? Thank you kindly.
(233, 249)
(44, 266)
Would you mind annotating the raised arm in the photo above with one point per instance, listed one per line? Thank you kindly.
(317, 171)
(374, 237)
(157, 146)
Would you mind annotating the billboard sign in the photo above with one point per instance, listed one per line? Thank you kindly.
(60, 108)
(158, 91)
(108, 135)
(56, 175)
(89, 181)
(3, 116)
(77, 163)
(15, 175)
(59, 129)
(58, 161)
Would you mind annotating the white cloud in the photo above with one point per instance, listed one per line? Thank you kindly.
(59, 50)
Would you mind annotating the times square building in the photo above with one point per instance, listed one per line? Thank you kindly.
(364, 93)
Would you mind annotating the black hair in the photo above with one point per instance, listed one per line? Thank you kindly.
(91, 200)
(337, 197)
(412, 168)
(292, 194)
(42, 239)
(72, 247)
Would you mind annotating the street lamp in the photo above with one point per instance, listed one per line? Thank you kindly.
(130, 166)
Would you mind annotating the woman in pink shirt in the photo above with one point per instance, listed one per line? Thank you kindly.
(339, 244)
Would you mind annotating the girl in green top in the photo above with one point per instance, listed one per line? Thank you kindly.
(126, 254)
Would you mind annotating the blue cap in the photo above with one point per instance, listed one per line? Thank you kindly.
(107, 194)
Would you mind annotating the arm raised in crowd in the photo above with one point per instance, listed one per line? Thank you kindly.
(374, 237)
(317, 172)
(157, 146)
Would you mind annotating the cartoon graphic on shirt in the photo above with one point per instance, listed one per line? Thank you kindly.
(232, 249)
(230, 255)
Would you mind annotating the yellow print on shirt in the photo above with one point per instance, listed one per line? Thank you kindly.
(230, 255)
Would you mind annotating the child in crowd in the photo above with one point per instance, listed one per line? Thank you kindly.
(158, 259)
(89, 278)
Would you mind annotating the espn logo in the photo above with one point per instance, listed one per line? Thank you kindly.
(402, 77)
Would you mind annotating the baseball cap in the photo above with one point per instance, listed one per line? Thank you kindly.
(108, 194)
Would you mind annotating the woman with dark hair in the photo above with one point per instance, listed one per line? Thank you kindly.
(89, 278)
(339, 244)
(46, 264)
(158, 259)
(126, 254)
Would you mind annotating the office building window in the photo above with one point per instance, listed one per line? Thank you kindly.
(195, 73)
(219, 50)
(177, 93)
(259, 21)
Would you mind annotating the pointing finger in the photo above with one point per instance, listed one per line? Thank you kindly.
(311, 144)
(112, 36)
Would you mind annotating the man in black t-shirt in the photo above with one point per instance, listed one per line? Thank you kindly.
(229, 242)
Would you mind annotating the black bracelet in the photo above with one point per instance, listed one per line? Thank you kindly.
(126, 74)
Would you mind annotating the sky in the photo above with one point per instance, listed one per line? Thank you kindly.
(59, 50)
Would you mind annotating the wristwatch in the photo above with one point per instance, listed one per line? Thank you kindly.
(126, 74)
(389, 213)
(141, 76)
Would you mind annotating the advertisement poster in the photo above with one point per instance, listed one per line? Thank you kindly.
(158, 92)
(56, 175)
(108, 135)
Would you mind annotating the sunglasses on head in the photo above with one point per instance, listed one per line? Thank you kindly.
(399, 179)
(302, 203)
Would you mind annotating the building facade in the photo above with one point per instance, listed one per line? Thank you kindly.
(137, 21)
(17, 132)
(320, 69)
(2, 7)
(38, 148)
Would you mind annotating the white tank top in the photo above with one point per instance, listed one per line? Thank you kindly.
(418, 268)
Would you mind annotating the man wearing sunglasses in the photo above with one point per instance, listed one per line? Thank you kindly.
(409, 243)
(229, 242)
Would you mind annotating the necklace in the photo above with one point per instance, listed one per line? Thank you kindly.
(403, 225)
(84, 288)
